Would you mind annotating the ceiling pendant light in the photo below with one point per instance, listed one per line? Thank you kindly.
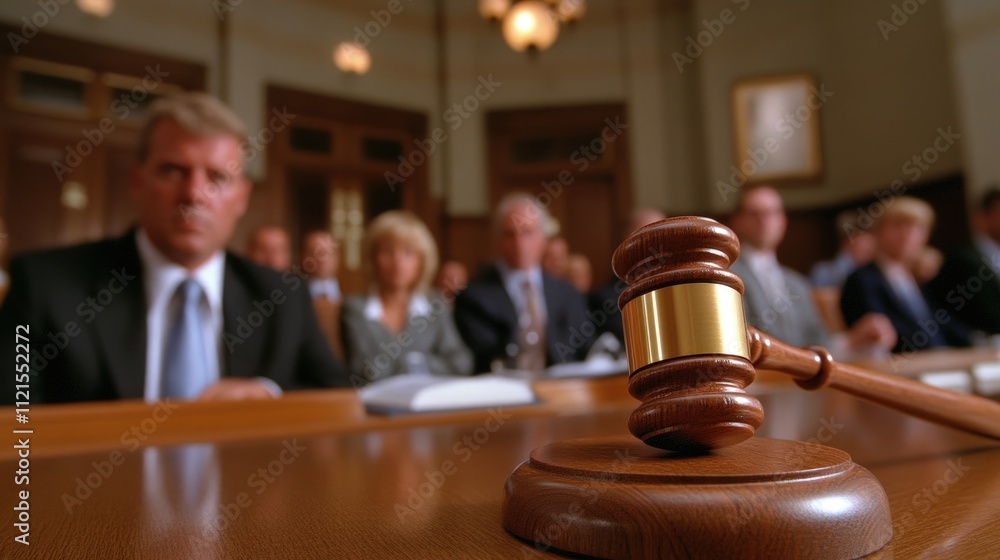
(530, 26)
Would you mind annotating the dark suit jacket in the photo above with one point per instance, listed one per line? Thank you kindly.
(487, 320)
(86, 309)
(868, 290)
(970, 289)
(328, 318)
(603, 304)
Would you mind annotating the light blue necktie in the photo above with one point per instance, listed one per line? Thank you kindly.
(185, 361)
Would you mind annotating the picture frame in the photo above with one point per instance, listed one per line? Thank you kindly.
(776, 128)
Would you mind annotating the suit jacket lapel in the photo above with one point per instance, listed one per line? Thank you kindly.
(794, 319)
(121, 326)
(506, 305)
(552, 294)
(893, 298)
(241, 352)
(754, 290)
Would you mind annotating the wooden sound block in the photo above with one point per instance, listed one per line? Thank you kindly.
(763, 498)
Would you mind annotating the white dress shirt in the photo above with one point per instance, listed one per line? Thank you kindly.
(419, 306)
(161, 278)
(328, 287)
(906, 288)
(513, 282)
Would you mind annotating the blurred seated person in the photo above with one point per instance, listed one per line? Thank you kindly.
(556, 257)
(857, 248)
(777, 299)
(887, 286)
(603, 301)
(320, 261)
(165, 312)
(451, 279)
(927, 265)
(579, 273)
(969, 281)
(401, 326)
(269, 246)
(514, 312)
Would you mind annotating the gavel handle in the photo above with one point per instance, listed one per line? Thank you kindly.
(813, 368)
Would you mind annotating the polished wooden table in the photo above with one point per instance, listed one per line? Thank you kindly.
(311, 476)
(74, 428)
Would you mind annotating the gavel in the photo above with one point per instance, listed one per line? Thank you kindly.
(675, 490)
(691, 354)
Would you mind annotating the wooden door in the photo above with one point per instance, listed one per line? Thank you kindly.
(574, 160)
(36, 216)
(338, 165)
(584, 217)
(65, 145)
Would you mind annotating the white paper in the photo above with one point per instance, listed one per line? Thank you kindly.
(959, 381)
(424, 393)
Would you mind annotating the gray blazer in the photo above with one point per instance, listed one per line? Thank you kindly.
(374, 353)
(791, 317)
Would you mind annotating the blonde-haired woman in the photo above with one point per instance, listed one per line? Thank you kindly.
(401, 326)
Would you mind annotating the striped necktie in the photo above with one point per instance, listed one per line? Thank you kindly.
(532, 335)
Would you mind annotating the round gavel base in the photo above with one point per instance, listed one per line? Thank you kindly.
(763, 498)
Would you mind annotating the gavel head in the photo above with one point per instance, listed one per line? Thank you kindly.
(686, 336)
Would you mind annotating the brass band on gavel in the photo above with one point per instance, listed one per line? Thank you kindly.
(684, 320)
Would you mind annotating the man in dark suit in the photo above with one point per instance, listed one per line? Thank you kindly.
(886, 285)
(513, 311)
(969, 281)
(165, 311)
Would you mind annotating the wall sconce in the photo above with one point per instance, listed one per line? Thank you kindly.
(352, 58)
(530, 26)
(96, 8)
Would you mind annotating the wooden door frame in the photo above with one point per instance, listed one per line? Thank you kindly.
(105, 62)
(505, 126)
(316, 107)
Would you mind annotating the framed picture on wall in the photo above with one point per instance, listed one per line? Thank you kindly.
(776, 127)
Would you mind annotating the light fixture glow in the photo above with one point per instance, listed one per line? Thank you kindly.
(493, 10)
(530, 25)
(570, 10)
(352, 58)
(97, 8)
(74, 196)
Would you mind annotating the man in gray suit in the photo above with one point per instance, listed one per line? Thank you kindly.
(778, 300)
